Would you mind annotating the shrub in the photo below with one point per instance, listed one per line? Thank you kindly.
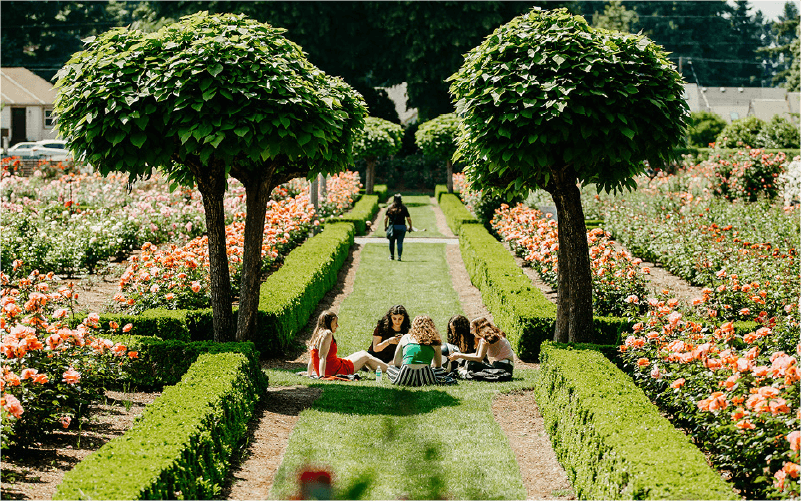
(779, 133)
(748, 174)
(456, 214)
(162, 457)
(611, 439)
(740, 133)
(364, 210)
(790, 183)
(704, 128)
(288, 296)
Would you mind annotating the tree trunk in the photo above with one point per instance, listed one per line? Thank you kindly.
(371, 161)
(257, 195)
(574, 320)
(449, 180)
(212, 189)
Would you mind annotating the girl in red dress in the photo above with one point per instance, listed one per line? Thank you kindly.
(323, 348)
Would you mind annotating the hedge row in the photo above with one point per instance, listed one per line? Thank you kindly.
(181, 445)
(163, 362)
(364, 210)
(381, 190)
(610, 438)
(441, 189)
(518, 308)
(290, 295)
(455, 212)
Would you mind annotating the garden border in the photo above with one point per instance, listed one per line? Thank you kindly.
(162, 457)
(612, 441)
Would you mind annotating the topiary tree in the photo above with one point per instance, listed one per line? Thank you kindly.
(778, 133)
(704, 128)
(204, 98)
(549, 102)
(437, 139)
(742, 132)
(379, 138)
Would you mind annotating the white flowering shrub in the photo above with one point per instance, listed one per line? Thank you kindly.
(790, 182)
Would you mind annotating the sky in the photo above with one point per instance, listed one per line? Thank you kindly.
(771, 9)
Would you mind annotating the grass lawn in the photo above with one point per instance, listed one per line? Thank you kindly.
(422, 216)
(382, 441)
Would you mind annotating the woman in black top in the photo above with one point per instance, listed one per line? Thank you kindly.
(388, 332)
(396, 213)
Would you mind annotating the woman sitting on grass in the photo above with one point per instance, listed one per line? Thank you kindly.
(416, 353)
(492, 343)
(388, 333)
(460, 340)
(323, 348)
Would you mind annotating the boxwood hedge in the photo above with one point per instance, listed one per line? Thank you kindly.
(456, 214)
(611, 440)
(181, 445)
(364, 210)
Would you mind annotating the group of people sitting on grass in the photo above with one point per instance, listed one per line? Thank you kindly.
(412, 353)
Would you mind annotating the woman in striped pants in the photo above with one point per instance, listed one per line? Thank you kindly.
(415, 354)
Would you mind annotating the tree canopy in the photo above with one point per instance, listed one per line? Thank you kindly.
(548, 102)
(437, 139)
(204, 98)
(379, 138)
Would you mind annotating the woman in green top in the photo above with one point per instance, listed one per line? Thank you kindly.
(417, 351)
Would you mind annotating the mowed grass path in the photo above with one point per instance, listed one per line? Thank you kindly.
(386, 442)
(422, 218)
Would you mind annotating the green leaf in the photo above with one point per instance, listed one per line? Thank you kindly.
(215, 69)
(242, 131)
(138, 139)
(627, 132)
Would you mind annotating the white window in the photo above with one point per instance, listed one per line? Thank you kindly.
(734, 115)
(49, 118)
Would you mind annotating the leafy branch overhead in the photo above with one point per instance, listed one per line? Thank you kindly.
(210, 87)
(379, 138)
(546, 90)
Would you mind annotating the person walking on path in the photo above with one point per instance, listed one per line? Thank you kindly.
(395, 227)
(388, 333)
(324, 361)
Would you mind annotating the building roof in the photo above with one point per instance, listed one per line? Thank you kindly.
(22, 87)
(739, 96)
(766, 109)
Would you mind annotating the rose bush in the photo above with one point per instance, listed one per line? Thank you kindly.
(50, 373)
(747, 174)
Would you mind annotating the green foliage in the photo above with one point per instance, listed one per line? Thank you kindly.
(546, 91)
(704, 128)
(166, 324)
(615, 17)
(288, 296)
(220, 88)
(442, 189)
(779, 133)
(437, 137)
(484, 203)
(748, 174)
(378, 138)
(163, 362)
(382, 191)
(364, 210)
(162, 457)
(456, 214)
(611, 439)
(517, 306)
(739, 133)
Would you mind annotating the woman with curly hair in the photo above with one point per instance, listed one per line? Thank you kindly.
(492, 343)
(416, 353)
(388, 333)
(323, 350)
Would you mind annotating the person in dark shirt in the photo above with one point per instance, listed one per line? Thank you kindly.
(393, 225)
(388, 332)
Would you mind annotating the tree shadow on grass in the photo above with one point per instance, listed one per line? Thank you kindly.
(391, 401)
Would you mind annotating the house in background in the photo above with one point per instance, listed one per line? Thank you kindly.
(27, 106)
(733, 103)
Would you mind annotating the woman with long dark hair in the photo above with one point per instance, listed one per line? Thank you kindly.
(492, 343)
(395, 227)
(388, 332)
(323, 350)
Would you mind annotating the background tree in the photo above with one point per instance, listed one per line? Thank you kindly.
(615, 17)
(742, 132)
(704, 127)
(437, 139)
(793, 83)
(204, 98)
(778, 51)
(379, 138)
(549, 102)
(778, 133)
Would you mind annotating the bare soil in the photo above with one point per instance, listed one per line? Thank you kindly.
(36, 472)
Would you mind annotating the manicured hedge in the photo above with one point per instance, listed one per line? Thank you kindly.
(441, 189)
(289, 296)
(380, 190)
(456, 214)
(167, 324)
(611, 439)
(163, 362)
(364, 210)
(181, 445)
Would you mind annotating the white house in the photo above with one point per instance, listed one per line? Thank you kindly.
(733, 103)
(27, 106)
